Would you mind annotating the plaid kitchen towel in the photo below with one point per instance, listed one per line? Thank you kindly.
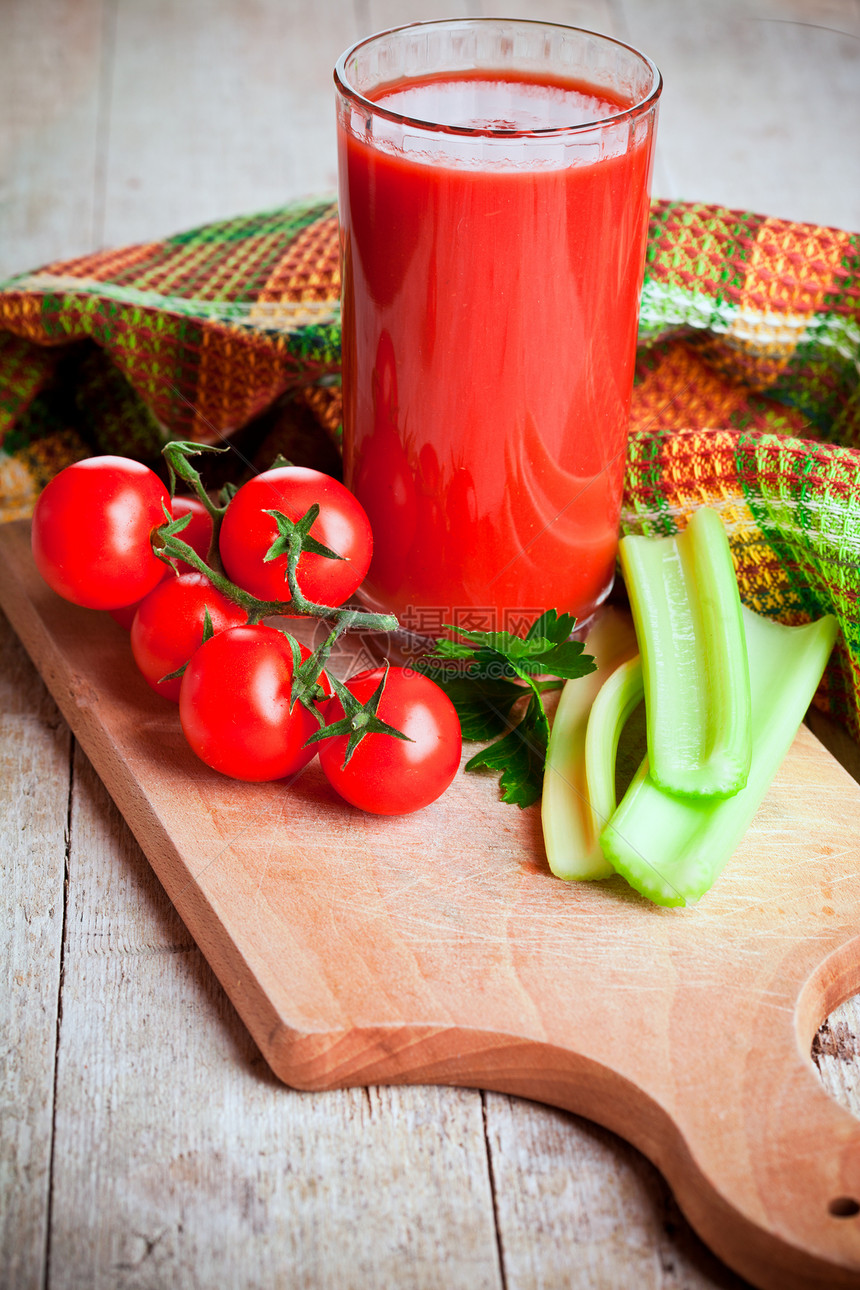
(747, 392)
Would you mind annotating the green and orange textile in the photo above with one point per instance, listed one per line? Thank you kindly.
(747, 392)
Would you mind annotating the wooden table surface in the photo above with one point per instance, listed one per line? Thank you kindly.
(144, 1141)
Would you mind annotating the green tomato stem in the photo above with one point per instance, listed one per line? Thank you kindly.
(298, 604)
(177, 454)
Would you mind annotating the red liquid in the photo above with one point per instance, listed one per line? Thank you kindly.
(488, 345)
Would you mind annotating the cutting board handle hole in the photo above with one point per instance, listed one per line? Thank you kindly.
(826, 1009)
(844, 1207)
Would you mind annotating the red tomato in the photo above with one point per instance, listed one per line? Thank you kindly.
(124, 615)
(247, 533)
(168, 627)
(197, 534)
(234, 705)
(91, 529)
(390, 776)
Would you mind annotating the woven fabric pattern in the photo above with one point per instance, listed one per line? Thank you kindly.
(747, 394)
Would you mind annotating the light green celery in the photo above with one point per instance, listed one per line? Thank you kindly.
(618, 696)
(687, 612)
(570, 828)
(672, 848)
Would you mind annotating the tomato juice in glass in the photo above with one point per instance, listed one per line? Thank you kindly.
(494, 185)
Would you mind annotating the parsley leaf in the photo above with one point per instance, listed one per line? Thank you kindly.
(487, 674)
(520, 756)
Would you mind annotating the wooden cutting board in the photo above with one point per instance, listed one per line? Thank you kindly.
(437, 948)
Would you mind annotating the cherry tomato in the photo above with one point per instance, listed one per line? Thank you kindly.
(234, 705)
(390, 776)
(124, 614)
(197, 534)
(247, 533)
(168, 627)
(91, 529)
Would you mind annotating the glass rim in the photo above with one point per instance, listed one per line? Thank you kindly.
(489, 132)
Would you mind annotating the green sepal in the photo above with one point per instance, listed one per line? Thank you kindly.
(359, 719)
(172, 526)
(172, 676)
(162, 538)
(168, 546)
(306, 688)
(294, 536)
(208, 633)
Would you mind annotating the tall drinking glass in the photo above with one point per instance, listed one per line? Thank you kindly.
(494, 182)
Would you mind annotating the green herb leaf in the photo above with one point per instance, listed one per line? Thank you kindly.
(486, 674)
(552, 626)
(535, 654)
(520, 756)
(567, 660)
(483, 705)
(445, 648)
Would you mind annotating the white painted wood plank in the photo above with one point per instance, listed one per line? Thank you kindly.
(761, 103)
(50, 62)
(217, 108)
(837, 1055)
(577, 1206)
(34, 774)
(181, 1161)
(171, 1140)
(597, 15)
(380, 14)
(594, 15)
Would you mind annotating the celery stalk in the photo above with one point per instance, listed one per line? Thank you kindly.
(687, 612)
(615, 701)
(570, 828)
(671, 848)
